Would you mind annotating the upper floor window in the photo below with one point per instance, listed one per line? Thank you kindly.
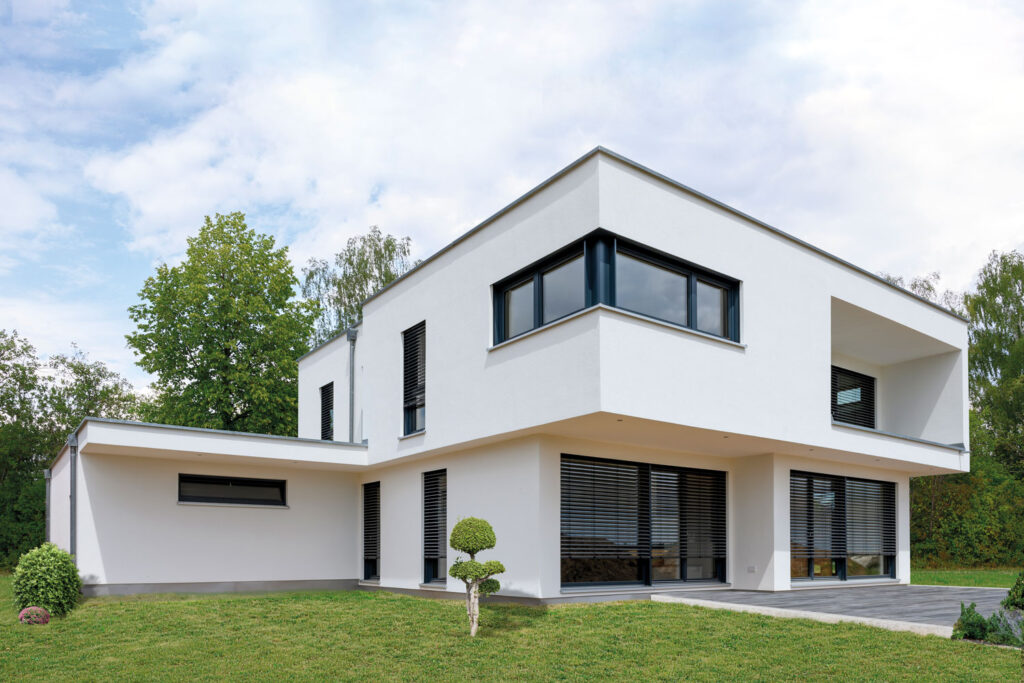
(327, 412)
(414, 399)
(853, 397)
(605, 269)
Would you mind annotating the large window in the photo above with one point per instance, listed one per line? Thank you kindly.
(327, 412)
(627, 522)
(435, 526)
(853, 397)
(606, 269)
(200, 488)
(414, 399)
(371, 530)
(841, 527)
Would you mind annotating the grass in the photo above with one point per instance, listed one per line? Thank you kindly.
(993, 578)
(363, 635)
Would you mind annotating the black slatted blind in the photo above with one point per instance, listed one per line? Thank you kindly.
(414, 341)
(853, 397)
(839, 517)
(615, 511)
(435, 523)
(371, 529)
(327, 412)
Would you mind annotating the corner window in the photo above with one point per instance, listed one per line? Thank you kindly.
(327, 412)
(414, 395)
(603, 268)
(853, 397)
(198, 488)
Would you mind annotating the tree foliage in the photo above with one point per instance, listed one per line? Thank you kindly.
(222, 332)
(367, 264)
(472, 535)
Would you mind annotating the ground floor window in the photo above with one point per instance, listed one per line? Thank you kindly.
(435, 525)
(841, 527)
(628, 522)
(200, 488)
(371, 530)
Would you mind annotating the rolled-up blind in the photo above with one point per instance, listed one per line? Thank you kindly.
(838, 516)
(371, 521)
(327, 412)
(853, 397)
(435, 514)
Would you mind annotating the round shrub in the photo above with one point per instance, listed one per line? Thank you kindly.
(34, 615)
(46, 577)
(471, 535)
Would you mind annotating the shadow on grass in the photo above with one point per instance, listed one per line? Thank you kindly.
(499, 618)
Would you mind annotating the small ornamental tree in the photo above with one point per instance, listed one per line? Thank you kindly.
(471, 535)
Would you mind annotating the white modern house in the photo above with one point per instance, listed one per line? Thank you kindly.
(641, 388)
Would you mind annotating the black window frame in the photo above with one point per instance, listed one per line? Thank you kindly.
(643, 551)
(435, 526)
(280, 484)
(371, 530)
(599, 250)
(414, 377)
(867, 416)
(839, 531)
(327, 412)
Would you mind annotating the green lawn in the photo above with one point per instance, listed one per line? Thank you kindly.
(359, 635)
(994, 578)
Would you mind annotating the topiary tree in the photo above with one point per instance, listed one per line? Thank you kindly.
(47, 577)
(1015, 598)
(471, 535)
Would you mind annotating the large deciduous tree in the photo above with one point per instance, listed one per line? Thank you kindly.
(222, 332)
(367, 264)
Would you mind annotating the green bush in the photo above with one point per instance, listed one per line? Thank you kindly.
(1004, 629)
(970, 624)
(47, 577)
(1015, 598)
(471, 535)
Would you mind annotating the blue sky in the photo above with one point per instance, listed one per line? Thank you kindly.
(886, 132)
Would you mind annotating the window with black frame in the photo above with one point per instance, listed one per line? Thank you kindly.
(629, 522)
(853, 397)
(606, 269)
(414, 395)
(371, 530)
(841, 527)
(201, 488)
(435, 526)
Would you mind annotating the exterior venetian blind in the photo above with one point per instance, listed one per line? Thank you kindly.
(840, 517)
(327, 412)
(601, 503)
(435, 523)
(371, 530)
(703, 518)
(414, 341)
(853, 397)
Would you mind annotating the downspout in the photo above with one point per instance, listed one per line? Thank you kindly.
(352, 385)
(47, 474)
(73, 452)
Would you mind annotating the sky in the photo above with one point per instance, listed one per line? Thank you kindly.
(889, 133)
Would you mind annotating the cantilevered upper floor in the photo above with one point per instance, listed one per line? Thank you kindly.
(613, 303)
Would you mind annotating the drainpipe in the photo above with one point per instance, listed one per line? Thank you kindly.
(352, 385)
(73, 451)
(47, 474)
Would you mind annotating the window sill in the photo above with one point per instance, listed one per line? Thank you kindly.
(846, 425)
(368, 582)
(811, 584)
(435, 586)
(233, 505)
(623, 312)
(412, 435)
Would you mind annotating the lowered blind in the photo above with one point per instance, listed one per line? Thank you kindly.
(615, 510)
(371, 529)
(840, 517)
(853, 397)
(414, 341)
(435, 520)
(327, 412)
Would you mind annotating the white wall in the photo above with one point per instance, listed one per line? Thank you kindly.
(131, 528)
(329, 363)
(925, 397)
(60, 502)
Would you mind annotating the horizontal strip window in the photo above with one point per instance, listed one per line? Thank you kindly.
(629, 522)
(841, 527)
(606, 269)
(199, 488)
(853, 397)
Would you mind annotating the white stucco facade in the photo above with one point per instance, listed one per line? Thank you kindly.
(602, 383)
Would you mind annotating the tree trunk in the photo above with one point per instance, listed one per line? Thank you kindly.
(474, 610)
(469, 600)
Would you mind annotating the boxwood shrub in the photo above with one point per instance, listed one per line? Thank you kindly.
(47, 577)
